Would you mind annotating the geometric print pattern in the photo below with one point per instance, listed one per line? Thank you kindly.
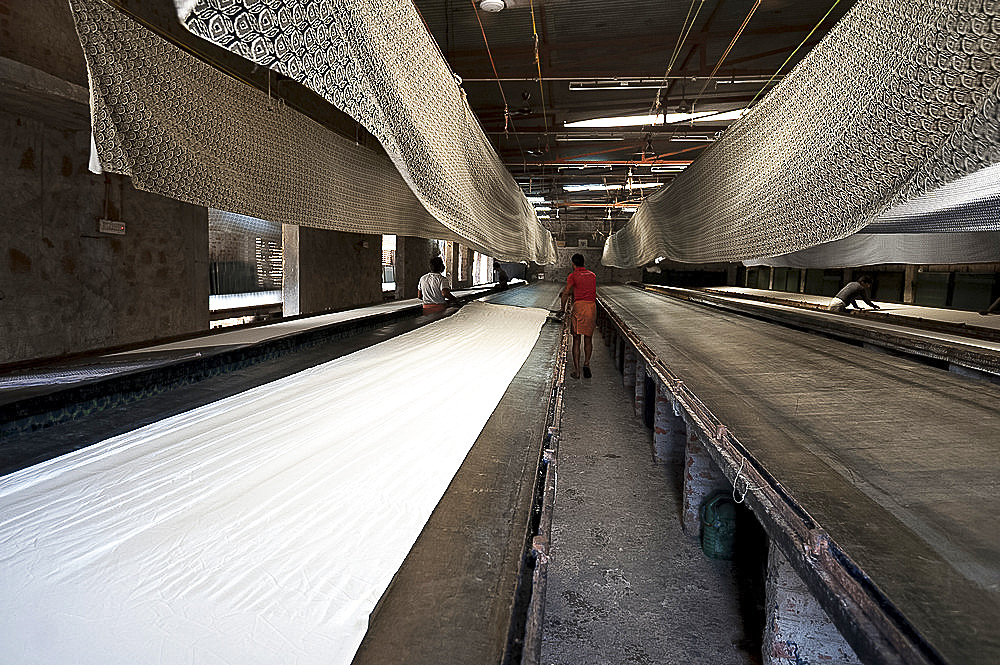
(375, 61)
(898, 101)
(181, 128)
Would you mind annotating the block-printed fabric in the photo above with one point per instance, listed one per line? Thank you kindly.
(376, 62)
(898, 101)
(181, 128)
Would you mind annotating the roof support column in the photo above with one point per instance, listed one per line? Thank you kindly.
(290, 270)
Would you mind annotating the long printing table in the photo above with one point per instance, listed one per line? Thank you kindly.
(264, 527)
(895, 461)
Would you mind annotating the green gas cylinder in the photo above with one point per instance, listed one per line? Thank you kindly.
(718, 526)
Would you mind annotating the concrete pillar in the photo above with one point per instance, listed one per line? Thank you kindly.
(909, 281)
(797, 630)
(290, 270)
(453, 250)
(732, 271)
(628, 368)
(470, 262)
(640, 385)
(669, 428)
(324, 284)
(460, 267)
(702, 479)
(413, 256)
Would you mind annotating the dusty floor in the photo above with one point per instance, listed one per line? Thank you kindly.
(625, 583)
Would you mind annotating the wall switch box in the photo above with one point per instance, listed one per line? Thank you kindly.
(110, 226)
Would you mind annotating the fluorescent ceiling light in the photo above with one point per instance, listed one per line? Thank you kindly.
(609, 188)
(629, 209)
(587, 166)
(590, 188)
(694, 138)
(542, 208)
(727, 116)
(536, 199)
(618, 84)
(544, 216)
(738, 81)
(656, 83)
(668, 168)
(589, 138)
(638, 120)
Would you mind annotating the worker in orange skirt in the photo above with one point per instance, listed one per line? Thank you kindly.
(581, 287)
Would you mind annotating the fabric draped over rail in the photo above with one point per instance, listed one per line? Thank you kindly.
(377, 62)
(898, 101)
(181, 128)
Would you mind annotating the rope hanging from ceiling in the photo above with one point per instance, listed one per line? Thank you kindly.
(897, 101)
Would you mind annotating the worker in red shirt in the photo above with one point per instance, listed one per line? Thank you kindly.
(581, 286)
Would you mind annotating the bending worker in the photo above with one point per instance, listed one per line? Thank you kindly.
(849, 295)
(581, 286)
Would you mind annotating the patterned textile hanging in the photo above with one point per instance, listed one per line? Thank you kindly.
(181, 128)
(898, 100)
(869, 249)
(376, 62)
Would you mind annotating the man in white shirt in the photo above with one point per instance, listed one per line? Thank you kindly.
(434, 288)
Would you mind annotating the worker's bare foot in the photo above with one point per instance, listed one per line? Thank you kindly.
(575, 374)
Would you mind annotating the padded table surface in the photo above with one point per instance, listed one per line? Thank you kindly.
(897, 460)
(262, 527)
(452, 599)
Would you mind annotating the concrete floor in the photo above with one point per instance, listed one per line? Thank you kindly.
(625, 583)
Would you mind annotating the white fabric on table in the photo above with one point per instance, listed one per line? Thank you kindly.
(255, 335)
(262, 528)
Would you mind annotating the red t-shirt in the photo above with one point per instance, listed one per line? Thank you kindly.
(584, 284)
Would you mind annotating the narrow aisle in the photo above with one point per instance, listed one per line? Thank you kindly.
(625, 584)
